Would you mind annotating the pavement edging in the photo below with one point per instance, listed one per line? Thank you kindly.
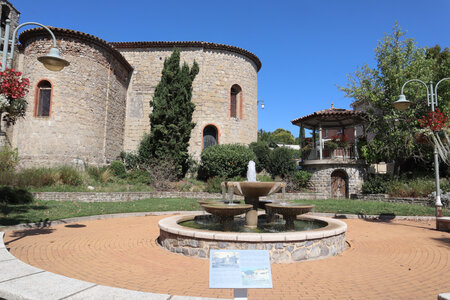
(19, 281)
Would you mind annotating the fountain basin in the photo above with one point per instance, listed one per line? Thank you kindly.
(283, 247)
(232, 210)
(289, 211)
(254, 189)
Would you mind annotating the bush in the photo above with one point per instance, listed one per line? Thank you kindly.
(8, 159)
(225, 161)
(161, 173)
(306, 150)
(96, 172)
(281, 162)
(118, 169)
(130, 159)
(445, 186)
(213, 184)
(69, 175)
(377, 184)
(419, 187)
(138, 176)
(298, 180)
(11, 195)
(262, 152)
(36, 177)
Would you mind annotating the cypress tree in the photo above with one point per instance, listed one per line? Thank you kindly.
(171, 118)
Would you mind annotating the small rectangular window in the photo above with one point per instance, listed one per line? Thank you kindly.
(44, 99)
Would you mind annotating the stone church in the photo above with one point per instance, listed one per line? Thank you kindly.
(99, 106)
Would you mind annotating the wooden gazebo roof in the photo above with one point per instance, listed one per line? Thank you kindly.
(331, 118)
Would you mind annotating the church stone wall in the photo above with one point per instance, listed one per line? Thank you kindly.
(87, 114)
(219, 71)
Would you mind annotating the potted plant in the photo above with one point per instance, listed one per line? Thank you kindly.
(331, 146)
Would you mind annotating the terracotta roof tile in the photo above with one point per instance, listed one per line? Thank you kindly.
(331, 117)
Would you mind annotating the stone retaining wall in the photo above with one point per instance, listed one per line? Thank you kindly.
(133, 196)
(386, 198)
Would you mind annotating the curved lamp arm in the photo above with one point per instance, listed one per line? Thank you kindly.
(24, 24)
(418, 80)
(435, 88)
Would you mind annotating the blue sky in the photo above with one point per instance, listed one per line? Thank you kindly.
(306, 47)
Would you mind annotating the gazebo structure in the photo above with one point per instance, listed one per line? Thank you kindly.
(333, 157)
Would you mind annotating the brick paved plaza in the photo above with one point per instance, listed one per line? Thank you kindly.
(385, 260)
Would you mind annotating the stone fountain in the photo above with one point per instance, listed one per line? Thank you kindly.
(301, 238)
(252, 190)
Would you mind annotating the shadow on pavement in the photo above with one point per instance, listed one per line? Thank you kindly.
(75, 225)
(20, 234)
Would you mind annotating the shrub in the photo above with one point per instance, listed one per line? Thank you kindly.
(264, 178)
(11, 195)
(298, 180)
(107, 176)
(419, 187)
(138, 176)
(306, 150)
(36, 177)
(96, 172)
(445, 186)
(377, 184)
(130, 159)
(225, 161)
(7, 177)
(8, 159)
(161, 172)
(118, 169)
(262, 152)
(213, 184)
(69, 175)
(281, 162)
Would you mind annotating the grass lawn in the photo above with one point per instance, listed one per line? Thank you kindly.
(40, 210)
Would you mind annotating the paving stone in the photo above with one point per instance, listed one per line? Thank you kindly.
(111, 253)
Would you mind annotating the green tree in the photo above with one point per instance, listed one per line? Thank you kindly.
(441, 69)
(171, 118)
(283, 136)
(374, 90)
(264, 136)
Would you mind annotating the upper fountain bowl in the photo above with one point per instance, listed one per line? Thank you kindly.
(255, 189)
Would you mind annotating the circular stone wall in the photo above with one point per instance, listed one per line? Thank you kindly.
(283, 247)
(87, 105)
(322, 170)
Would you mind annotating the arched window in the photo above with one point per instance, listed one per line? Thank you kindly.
(209, 136)
(235, 101)
(44, 95)
(4, 16)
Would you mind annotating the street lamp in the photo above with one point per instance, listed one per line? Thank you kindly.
(52, 61)
(262, 103)
(432, 100)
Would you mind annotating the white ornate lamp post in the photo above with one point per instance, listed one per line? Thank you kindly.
(432, 100)
(51, 61)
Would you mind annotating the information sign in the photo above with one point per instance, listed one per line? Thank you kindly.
(240, 269)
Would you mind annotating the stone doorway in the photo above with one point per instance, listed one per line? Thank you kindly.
(339, 184)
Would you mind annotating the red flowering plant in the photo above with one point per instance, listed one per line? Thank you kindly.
(340, 139)
(13, 88)
(434, 120)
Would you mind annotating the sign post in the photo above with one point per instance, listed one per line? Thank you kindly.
(240, 270)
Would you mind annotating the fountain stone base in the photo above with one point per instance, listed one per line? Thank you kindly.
(283, 247)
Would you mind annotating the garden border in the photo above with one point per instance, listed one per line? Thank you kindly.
(133, 196)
